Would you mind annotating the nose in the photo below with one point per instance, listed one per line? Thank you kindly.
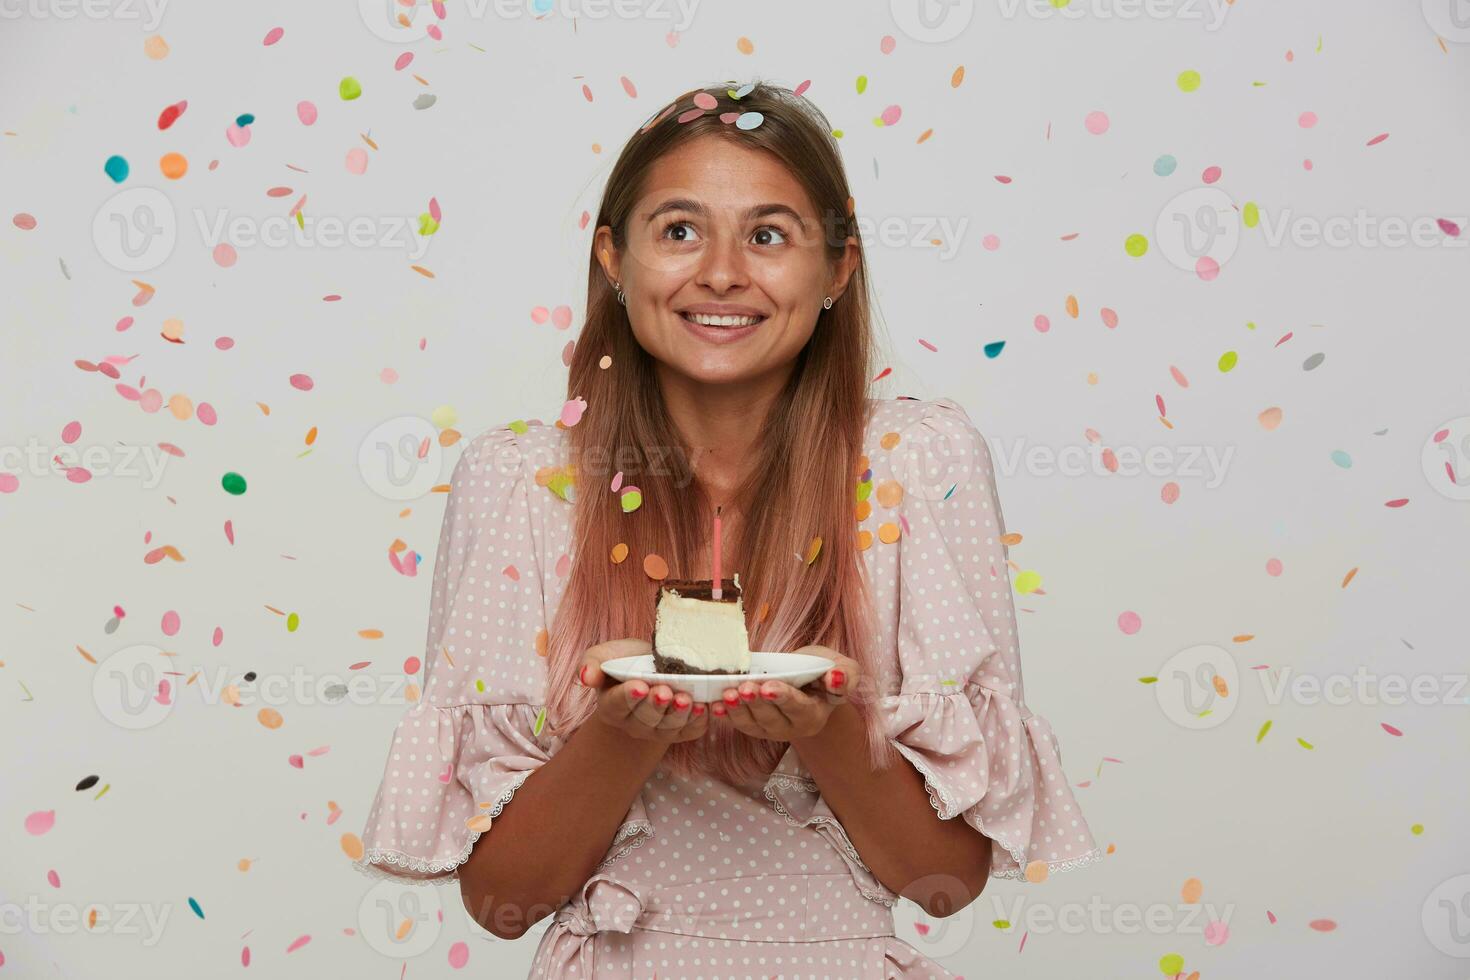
(722, 261)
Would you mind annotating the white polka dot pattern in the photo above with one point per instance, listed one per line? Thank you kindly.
(703, 878)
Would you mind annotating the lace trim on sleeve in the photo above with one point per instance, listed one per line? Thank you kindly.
(370, 860)
(947, 808)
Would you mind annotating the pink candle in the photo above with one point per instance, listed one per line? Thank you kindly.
(717, 593)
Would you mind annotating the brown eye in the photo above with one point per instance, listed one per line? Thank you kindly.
(770, 230)
(678, 224)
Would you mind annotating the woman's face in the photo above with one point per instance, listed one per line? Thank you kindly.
(723, 231)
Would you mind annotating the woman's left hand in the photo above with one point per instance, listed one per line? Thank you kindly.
(778, 711)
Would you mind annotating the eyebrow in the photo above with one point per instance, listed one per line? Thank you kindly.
(755, 211)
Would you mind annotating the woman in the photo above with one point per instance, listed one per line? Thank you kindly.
(725, 362)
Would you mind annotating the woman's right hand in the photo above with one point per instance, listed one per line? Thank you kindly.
(658, 713)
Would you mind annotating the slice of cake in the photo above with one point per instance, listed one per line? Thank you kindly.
(694, 633)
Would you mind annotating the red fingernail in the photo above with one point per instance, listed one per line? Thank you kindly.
(660, 699)
(582, 674)
(718, 708)
(698, 708)
(748, 696)
(637, 692)
(684, 706)
(770, 695)
(836, 678)
(731, 697)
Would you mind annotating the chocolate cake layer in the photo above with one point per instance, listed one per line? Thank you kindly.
(701, 588)
(667, 665)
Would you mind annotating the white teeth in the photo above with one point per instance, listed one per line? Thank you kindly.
(722, 321)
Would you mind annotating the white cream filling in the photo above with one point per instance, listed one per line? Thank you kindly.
(705, 634)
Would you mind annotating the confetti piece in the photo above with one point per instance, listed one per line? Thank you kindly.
(1390, 729)
(1188, 81)
(298, 943)
(655, 567)
(1097, 123)
(302, 382)
(1262, 733)
(40, 822)
(1136, 245)
(270, 718)
(1322, 925)
(173, 165)
(170, 624)
(352, 846)
(234, 484)
(1417, 829)
(1036, 872)
(1028, 582)
(1270, 419)
(540, 722)
(1349, 577)
(225, 255)
(155, 47)
(459, 955)
(273, 35)
(194, 905)
(306, 112)
(1171, 964)
(1216, 933)
(749, 120)
(1304, 743)
(1130, 622)
(571, 411)
(631, 499)
(1273, 567)
(116, 168)
(357, 161)
(349, 88)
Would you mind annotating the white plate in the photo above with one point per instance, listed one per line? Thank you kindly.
(795, 669)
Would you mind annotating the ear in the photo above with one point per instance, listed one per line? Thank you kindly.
(607, 253)
(843, 269)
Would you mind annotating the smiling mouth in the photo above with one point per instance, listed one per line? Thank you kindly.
(726, 322)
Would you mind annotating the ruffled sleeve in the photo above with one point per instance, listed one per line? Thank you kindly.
(460, 752)
(958, 715)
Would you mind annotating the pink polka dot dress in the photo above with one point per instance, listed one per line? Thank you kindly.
(704, 879)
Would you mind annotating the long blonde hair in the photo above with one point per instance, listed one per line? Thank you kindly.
(802, 480)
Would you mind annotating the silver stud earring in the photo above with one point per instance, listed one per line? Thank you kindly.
(827, 303)
(622, 298)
